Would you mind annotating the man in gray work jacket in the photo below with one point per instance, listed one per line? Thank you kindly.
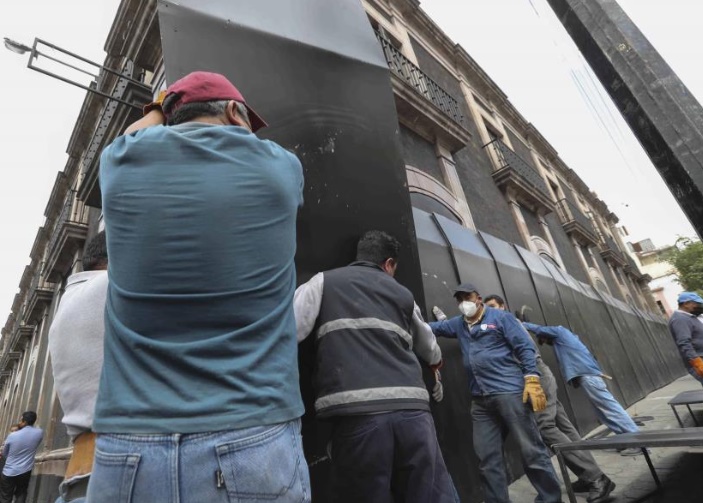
(687, 331)
(368, 380)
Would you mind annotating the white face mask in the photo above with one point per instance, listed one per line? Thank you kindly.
(468, 308)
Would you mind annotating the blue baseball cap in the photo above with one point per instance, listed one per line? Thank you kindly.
(690, 297)
(465, 288)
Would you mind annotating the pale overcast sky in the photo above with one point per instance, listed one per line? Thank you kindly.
(529, 56)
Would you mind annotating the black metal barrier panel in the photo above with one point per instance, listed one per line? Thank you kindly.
(559, 308)
(314, 70)
(631, 345)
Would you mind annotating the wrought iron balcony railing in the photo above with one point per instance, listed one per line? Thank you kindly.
(40, 294)
(517, 173)
(420, 81)
(576, 223)
(631, 268)
(69, 232)
(609, 250)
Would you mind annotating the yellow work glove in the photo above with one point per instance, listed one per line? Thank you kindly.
(534, 392)
(697, 365)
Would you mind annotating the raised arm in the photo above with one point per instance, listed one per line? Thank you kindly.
(424, 342)
(306, 305)
(542, 331)
(443, 328)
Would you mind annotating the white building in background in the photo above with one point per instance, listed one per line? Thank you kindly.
(664, 284)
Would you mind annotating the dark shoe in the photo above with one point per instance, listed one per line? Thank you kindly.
(600, 489)
(581, 486)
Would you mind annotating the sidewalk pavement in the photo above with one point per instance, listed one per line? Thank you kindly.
(680, 469)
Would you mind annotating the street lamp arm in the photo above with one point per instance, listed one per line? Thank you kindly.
(16, 47)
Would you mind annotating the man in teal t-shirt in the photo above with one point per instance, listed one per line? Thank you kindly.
(200, 378)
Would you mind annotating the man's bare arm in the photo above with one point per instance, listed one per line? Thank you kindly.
(154, 118)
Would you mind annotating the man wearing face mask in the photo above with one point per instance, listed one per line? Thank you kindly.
(687, 331)
(500, 362)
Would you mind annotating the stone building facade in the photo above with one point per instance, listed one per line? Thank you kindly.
(469, 155)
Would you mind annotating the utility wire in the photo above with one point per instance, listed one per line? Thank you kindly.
(590, 90)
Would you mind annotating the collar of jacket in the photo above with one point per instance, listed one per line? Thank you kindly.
(365, 263)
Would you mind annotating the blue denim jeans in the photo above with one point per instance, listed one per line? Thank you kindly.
(250, 465)
(65, 493)
(608, 409)
(496, 416)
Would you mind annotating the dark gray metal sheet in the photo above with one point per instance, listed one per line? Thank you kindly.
(630, 350)
(314, 70)
(324, 89)
(452, 416)
(589, 320)
(551, 293)
(473, 261)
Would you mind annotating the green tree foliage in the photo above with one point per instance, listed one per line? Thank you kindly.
(687, 258)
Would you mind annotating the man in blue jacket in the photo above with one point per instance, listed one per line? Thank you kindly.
(580, 369)
(500, 362)
(687, 331)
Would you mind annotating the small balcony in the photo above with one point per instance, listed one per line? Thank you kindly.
(422, 103)
(68, 235)
(4, 376)
(8, 360)
(632, 269)
(576, 224)
(517, 176)
(39, 296)
(611, 252)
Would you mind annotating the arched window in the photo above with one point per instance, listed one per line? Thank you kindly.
(601, 286)
(430, 195)
(432, 205)
(544, 250)
(597, 280)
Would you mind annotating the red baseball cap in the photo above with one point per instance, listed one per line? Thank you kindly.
(208, 86)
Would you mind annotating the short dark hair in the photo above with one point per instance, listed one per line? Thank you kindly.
(191, 111)
(29, 417)
(377, 247)
(495, 297)
(95, 254)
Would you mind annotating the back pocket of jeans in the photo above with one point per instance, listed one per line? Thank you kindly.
(112, 480)
(262, 467)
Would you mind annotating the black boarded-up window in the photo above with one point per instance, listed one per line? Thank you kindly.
(419, 153)
(532, 221)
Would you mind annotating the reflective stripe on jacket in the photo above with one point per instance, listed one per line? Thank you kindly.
(365, 359)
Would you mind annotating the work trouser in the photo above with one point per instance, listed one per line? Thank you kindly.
(392, 457)
(608, 409)
(15, 486)
(496, 416)
(556, 428)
